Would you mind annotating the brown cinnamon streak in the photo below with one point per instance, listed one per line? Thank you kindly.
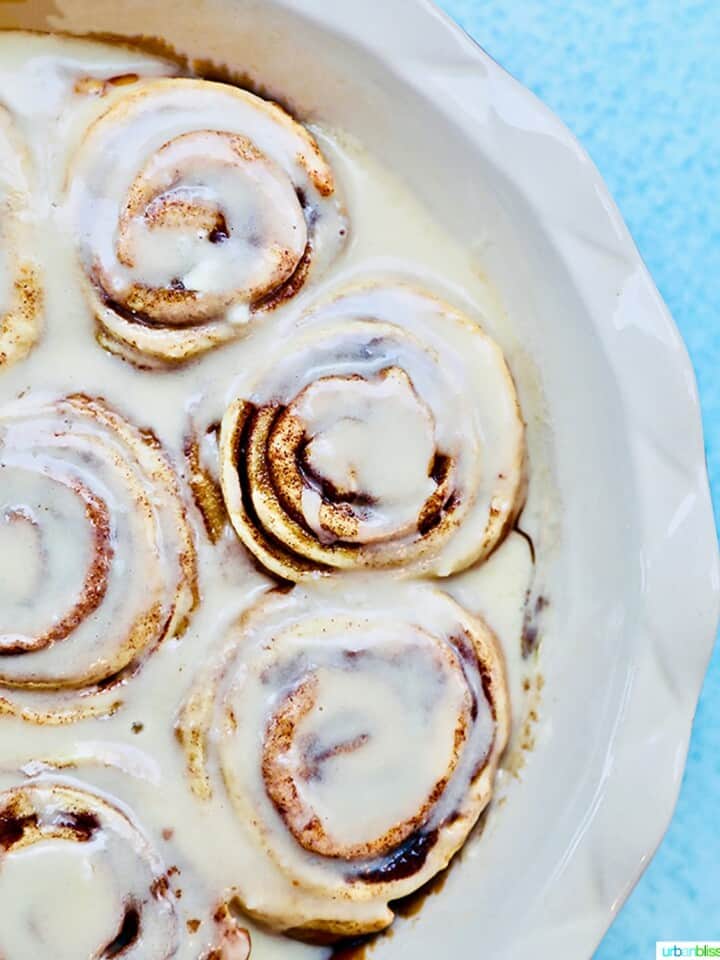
(269, 541)
(405, 861)
(126, 936)
(82, 824)
(13, 827)
(96, 579)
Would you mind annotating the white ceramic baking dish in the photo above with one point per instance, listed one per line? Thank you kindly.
(636, 598)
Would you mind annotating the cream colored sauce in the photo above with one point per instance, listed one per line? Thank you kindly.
(70, 891)
(134, 755)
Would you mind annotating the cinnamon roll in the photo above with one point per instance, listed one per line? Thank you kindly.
(83, 877)
(20, 290)
(357, 737)
(198, 207)
(97, 559)
(385, 432)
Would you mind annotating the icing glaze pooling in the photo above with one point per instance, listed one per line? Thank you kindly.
(202, 851)
(371, 439)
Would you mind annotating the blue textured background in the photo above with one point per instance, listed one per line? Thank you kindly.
(638, 81)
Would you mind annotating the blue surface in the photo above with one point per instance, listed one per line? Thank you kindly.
(638, 81)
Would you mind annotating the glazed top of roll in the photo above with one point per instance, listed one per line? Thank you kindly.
(82, 876)
(98, 564)
(198, 206)
(356, 731)
(384, 432)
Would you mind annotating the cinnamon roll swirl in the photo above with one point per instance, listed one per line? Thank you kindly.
(97, 557)
(198, 207)
(385, 432)
(83, 877)
(20, 290)
(357, 738)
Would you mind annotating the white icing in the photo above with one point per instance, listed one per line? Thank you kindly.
(72, 889)
(67, 896)
(76, 473)
(391, 234)
(193, 187)
(374, 437)
(390, 681)
(384, 379)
